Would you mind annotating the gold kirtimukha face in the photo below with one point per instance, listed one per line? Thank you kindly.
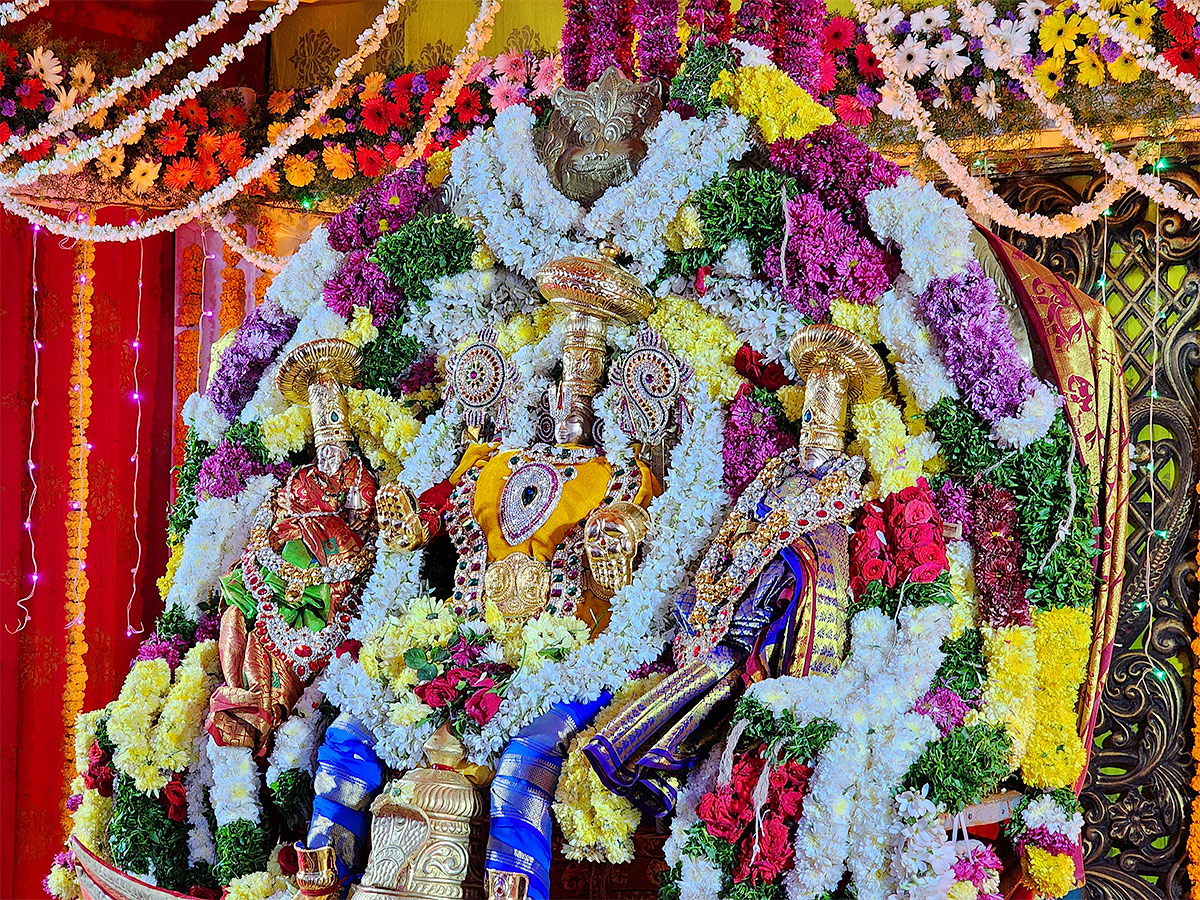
(594, 292)
(594, 137)
(316, 375)
(838, 368)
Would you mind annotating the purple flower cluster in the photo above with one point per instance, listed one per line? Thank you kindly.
(360, 282)
(171, 649)
(657, 26)
(575, 50)
(227, 469)
(825, 257)
(947, 709)
(839, 167)
(753, 435)
(954, 505)
(382, 208)
(611, 37)
(755, 23)
(979, 348)
(709, 21)
(801, 23)
(263, 333)
(421, 374)
(208, 628)
(1050, 841)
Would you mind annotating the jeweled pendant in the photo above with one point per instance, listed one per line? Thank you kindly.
(528, 500)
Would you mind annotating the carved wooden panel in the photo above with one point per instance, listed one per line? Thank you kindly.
(1137, 798)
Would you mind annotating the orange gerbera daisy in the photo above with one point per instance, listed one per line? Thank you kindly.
(172, 139)
(338, 161)
(208, 143)
(232, 149)
(209, 174)
(180, 174)
(232, 115)
(193, 113)
(279, 103)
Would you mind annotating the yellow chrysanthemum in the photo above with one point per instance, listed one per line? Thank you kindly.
(1049, 74)
(339, 161)
(769, 95)
(91, 823)
(483, 257)
(1125, 69)
(85, 734)
(134, 712)
(439, 168)
(1139, 18)
(61, 883)
(701, 338)
(408, 711)
(1051, 874)
(1058, 33)
(884, 442)
(256, 886)
(1011, 661)
(384, 427)
(297, 170)
(182, 718)
(1091, 67)
(287, 431)
(168, 577)
(962, 890)
(792, 398)
(1054, 756)
(862, 320)
(361, 330)
(685, 231)
(516, 332)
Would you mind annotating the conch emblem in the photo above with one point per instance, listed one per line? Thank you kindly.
(594, 137)
(650, 381)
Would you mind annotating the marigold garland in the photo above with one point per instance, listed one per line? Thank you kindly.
(233, 287)
(186, 344)
(191, 286)
(264, 242)
(1055, 756)
(78, 523)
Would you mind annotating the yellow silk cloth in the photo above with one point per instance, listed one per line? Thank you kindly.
(1079, 341)
(580, 496)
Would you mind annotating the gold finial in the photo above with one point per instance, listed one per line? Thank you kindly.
(838, 367)
(314, 375)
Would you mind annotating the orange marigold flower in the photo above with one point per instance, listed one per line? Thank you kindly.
(268, 183)
(180, 174)
(297, 170)
(172, 139)
(208, 143)
(338, 161)
(279, 103)
(193, 113)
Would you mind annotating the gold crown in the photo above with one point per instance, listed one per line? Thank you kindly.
(596, 287)
(822, 348)
(327, 359)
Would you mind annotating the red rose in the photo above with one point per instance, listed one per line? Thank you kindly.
(174, 796)
(918, 535)
(204, 893)
(441, 691)
(908, 494)
(926, 573)
(774, 854)
(750, 364)
(873, 569)
(482, 705)
(789, 784)
(97, 755)
(918, 511)
(725, 814)
(349, 646)
(288, 863)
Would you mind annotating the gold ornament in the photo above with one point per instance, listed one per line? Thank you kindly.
(593, 139)
(315, 375)
(316, 875)
(838, 367)
(595, 293)
(519, 585)
(396, 509)
(611, 538)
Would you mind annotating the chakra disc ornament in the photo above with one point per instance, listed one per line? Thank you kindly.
(481, 381)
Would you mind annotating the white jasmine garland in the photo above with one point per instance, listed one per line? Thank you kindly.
(296, 739)
(215, 539)
(201, 847)
(922, 858)
(18, 10)
(466, 303)
(532, 365)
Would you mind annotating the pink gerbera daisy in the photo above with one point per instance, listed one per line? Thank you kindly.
(511, 64)
(505, 93)
(852, 111)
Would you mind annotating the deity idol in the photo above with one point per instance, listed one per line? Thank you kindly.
(288, 601)
(771, 595)
(549, 528)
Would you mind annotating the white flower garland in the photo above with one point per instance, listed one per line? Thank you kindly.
(464, 304)
(264, 262)
(18, 10)
(917, 359)
(234, 793)
(201, 846)
(295, 740)
(369, 42)
(216, 538)
(683, 157)
(152, 112)
(118, 88)
(533, 364)
(922, 859)
(933, 232)
(202, 418)
(505, 190)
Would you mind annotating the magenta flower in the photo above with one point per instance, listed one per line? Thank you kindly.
(753, 435)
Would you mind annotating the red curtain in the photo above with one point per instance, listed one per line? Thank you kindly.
(32, 671)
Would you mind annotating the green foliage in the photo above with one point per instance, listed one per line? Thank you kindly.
(796, 742)
(699, 72)
(963, 669)
(102, 737)
(241, 849)
(878, 595)
(143, 838)
(292, 794)
(174, 622)
(1043, 477)
(745, 204)
(387, 357)
(747, 891)
(700, 844)
(425, 248)
(963, 767)
(187, 474)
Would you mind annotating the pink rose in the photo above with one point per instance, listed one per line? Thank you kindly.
(918, 511)
(482, 705)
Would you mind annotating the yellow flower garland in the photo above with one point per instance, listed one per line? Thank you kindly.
(85, 735)
(792, 398)
(130, 725)
(769, 95)
(173, 740)
(1051, 874)
(862, 320)
(90, 827)
(361, 330)
(78, 523)
(701, 338)
(256, 886)
(167, 578)
(385, 429)
(1055, 756)
(1011, 660)
(287, 431)
(597, 825)
(885, 442)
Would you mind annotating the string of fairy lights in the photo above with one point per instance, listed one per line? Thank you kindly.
(136, 458)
